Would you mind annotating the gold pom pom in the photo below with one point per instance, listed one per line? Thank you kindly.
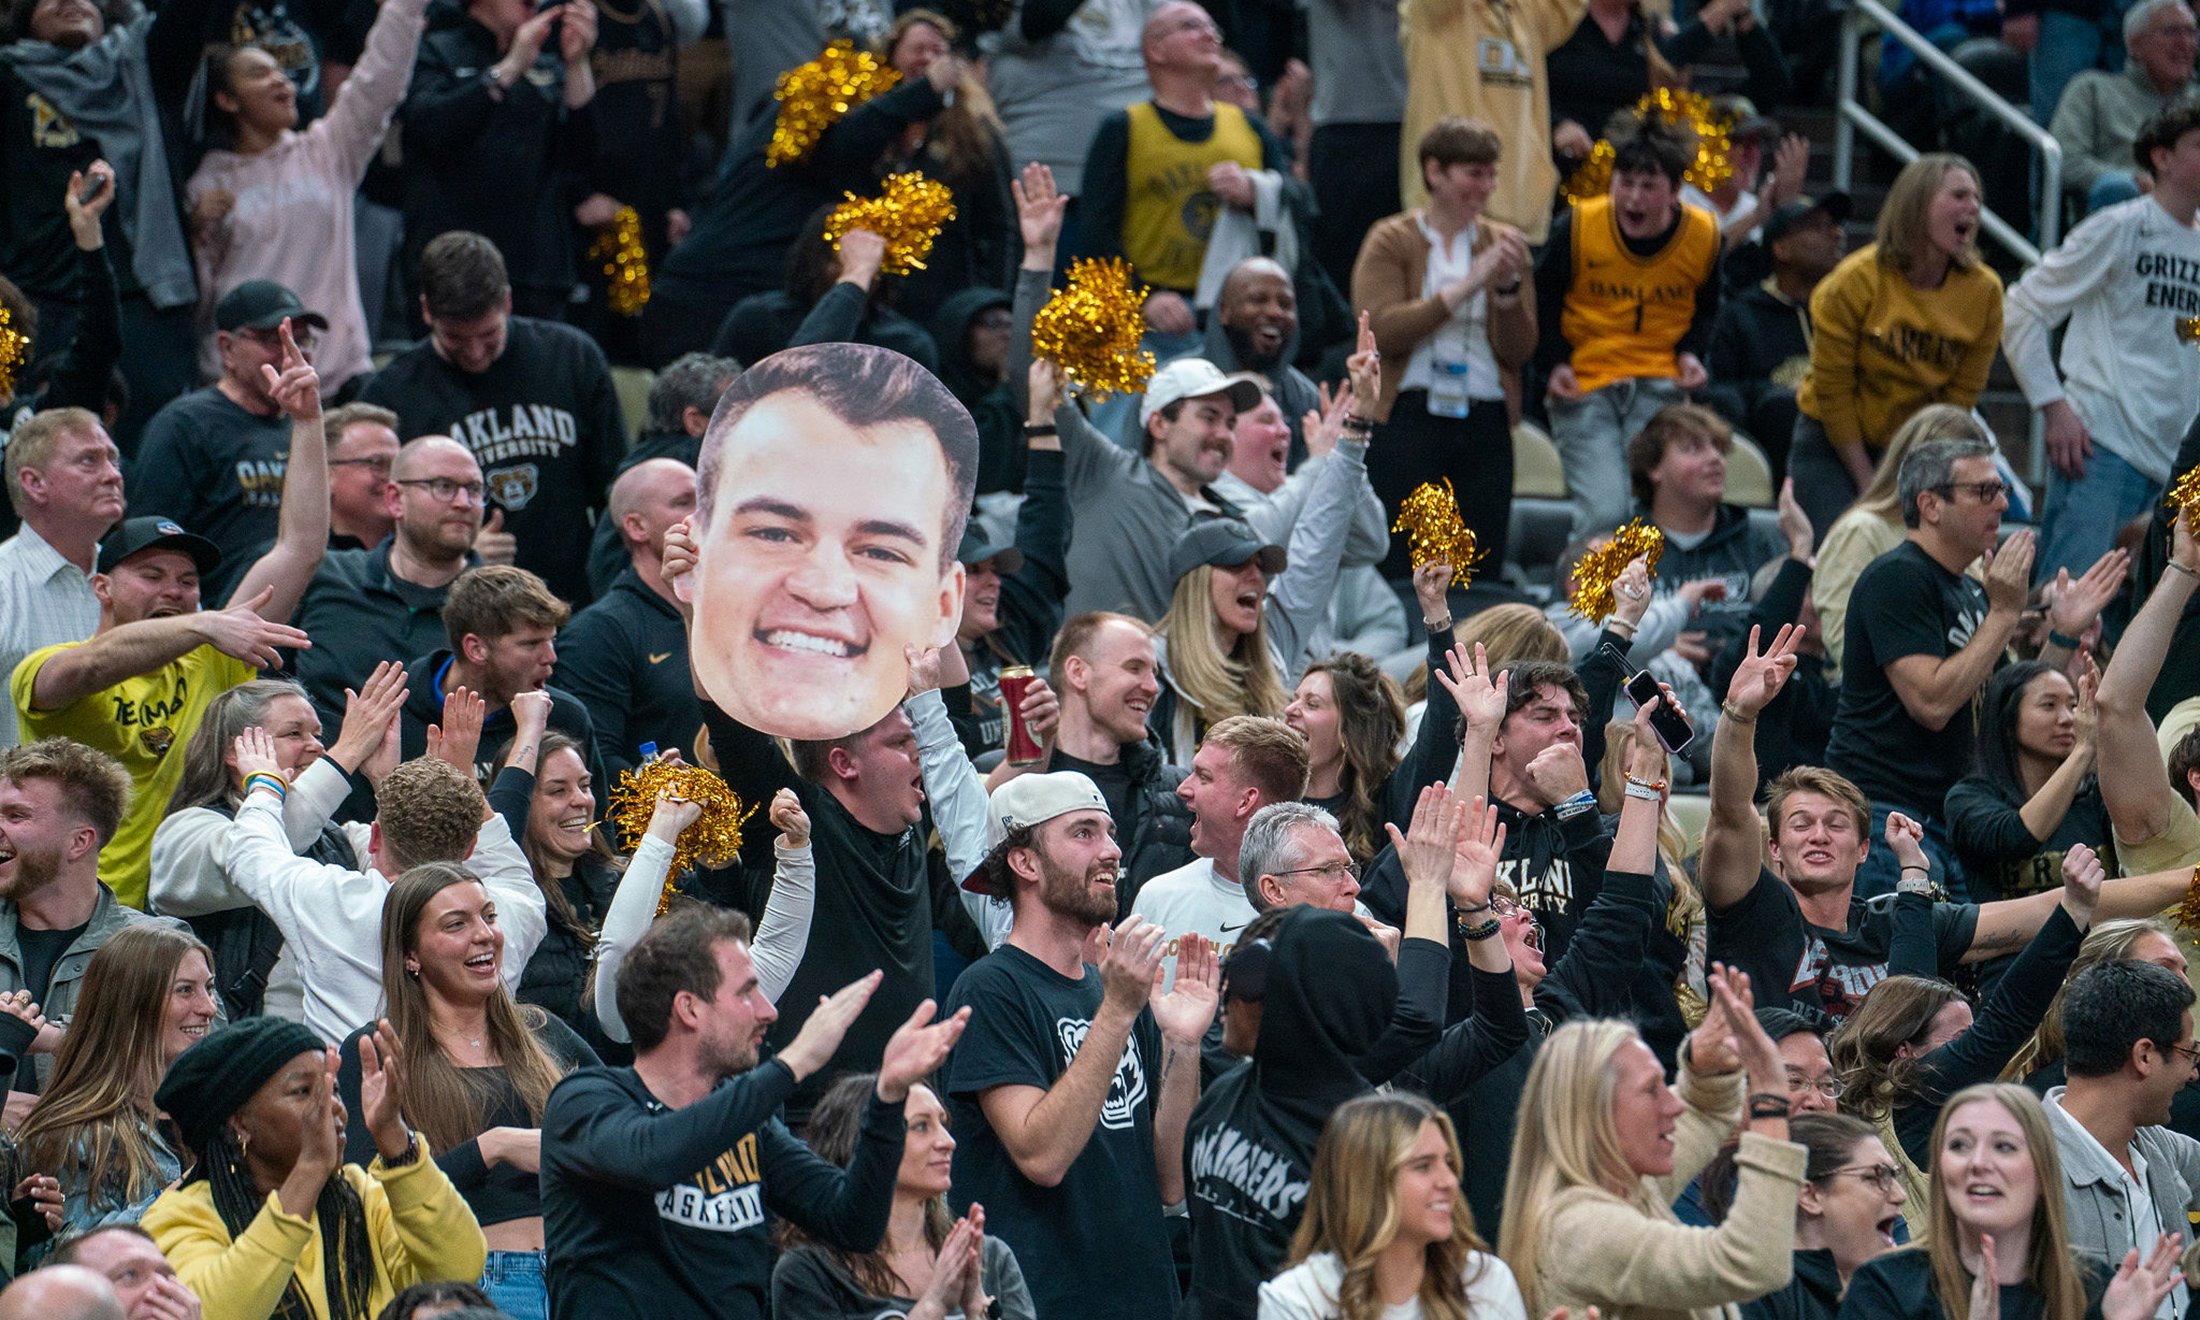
(2187, 912)
(618, 252)
(2184, 496)
(1091, 330)
(1599, 570)
(715, 837)
(15, 350)
(2188, 329)
(812, 97)
(1430, 515)
(1693, 111)
(908, 214)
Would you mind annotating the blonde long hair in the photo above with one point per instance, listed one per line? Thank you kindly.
(96, 1118)
(2049, 1267)
(1566, 1139)
(1935, 421)
(1902, 234)
(1213, 683)
(1352, 1205)
(444, 1101)
(2109, 941)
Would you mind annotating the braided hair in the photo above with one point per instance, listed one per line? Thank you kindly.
(347, 1256)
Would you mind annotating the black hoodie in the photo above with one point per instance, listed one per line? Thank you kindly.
(992, 404)
(1249, 1149)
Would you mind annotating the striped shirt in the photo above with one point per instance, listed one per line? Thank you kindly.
(44, 600)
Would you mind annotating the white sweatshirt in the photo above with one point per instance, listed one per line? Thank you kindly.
(2124, 279)
(1308, 1291)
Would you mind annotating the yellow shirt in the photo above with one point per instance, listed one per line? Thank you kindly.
(144, 723)
(1882, 348)
(1168, 209)
(418, 1224)
(1625, 314)
(1484, 59)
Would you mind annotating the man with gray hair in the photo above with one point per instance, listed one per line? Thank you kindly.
(65, 480)
(2100, 114)
(1922, 639)
(681, 402)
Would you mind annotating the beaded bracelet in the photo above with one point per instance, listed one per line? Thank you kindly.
(1481, 930)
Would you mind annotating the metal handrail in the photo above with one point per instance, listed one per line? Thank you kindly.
(1853, 116)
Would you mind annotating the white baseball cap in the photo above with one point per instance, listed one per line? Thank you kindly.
(1029, 800)
(1195, 378)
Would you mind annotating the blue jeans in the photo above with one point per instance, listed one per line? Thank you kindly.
(1592, 434)
(514, 1281)
(2084, 515)
(1880, 870)
(2068, 46)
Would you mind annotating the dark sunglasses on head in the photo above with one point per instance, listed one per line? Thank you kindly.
(1245, 971)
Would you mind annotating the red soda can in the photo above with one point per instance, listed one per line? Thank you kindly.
(1023, 749)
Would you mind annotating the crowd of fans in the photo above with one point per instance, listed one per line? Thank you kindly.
(1371, 936)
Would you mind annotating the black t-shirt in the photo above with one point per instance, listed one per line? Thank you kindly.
(218, 470)
(1904, 604)
(1099, 1234)
(1766, 936)
(544, 423)
(39, 149)
(1113, 781)
(637, 110)
(40, 950)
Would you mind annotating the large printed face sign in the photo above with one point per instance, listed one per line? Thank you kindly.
(834, 484)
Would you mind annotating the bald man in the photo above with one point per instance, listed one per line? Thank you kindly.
(126, 1256)
(626, 656)
(386, 603)
(61, 1292)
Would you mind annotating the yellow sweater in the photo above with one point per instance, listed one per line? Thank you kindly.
(1484, 59)
(1882, 348)
(420, 1227)
(1638, 1266)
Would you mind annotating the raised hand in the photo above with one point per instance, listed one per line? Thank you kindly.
(1429, 848)
(2086, 716)
(530, 713)
(1039, 208)
(677, 566)
(369, 714)
(577, 34)
(2139, 1286)
(1046, 388)
(917, 1049)
(320, 1140)
(862, 253)
(1481, 846)
(241, 633)
(1557, 773)
(2082, 874)
(924, 667)
(1631, 593)
(90, 192)
(2009, 573)
(1128, 963)
(670, 814)
(456, 740)
(788, 816)
(1795, 524)
(1365, 369)
(297, 387)
(1713, 1050)
(974, 1298)
(952, 1267)
(1479, 694)
(1323, 427)
(1187, 1009)
(1761, 674)
(1431, 588)
(382, 1091)
(255, 755)
(814, 1046)
(2077, 602)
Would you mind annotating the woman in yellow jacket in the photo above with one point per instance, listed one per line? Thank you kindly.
(1911, 319)
(269, 1222)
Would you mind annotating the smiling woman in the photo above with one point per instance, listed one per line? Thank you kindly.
(834, 485)
(148, 996)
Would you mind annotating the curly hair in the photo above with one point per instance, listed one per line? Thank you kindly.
(426, 811)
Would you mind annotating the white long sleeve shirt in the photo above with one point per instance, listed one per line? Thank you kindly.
(958, 797)
(331, 917)
(2124, 280)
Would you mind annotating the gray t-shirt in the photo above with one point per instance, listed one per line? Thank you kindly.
(1053, 93)
(1359, 68)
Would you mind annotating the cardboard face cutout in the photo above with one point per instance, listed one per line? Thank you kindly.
(835, 480)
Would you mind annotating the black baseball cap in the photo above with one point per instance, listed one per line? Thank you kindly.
(262, 305)
(1838, 206)
(1747, 120)
(137, 535)
(1225, 542)
(976, 548)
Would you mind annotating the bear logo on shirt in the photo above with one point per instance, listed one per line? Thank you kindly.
(1127, 1092)
(514, 487)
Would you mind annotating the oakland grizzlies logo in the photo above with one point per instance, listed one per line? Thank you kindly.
(1127, 1092)
(514, 487)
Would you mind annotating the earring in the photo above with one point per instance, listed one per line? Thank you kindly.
(413, 970)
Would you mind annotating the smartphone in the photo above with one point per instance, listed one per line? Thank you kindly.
(1673, 729)
(94, 185)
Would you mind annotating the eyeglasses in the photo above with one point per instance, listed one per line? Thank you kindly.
(1880, 1176)
(2191, 1053)
(381, 465)
(1985, 491)
(301, 334)
(1829, 1086)
(445, 489)
(1334, 870)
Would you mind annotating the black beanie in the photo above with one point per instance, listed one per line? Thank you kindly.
(214, 1078)
(1785, 1020)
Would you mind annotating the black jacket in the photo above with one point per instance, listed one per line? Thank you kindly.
(1813, 1294)
(762, 325)
(755, 213)
(360, 614)
(555, 975)
(1899, 1286)
(1001, 448)
(1158, 836)
(506, 165)
(625, 658)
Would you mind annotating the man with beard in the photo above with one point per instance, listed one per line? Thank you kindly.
(366, 606)
(659, 1181)
(1256, 328)
(137, 688)
(1072, 1089)
(60, 802)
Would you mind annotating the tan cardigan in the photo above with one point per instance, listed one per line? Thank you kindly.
(1602, 1251)
(1386, 284)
